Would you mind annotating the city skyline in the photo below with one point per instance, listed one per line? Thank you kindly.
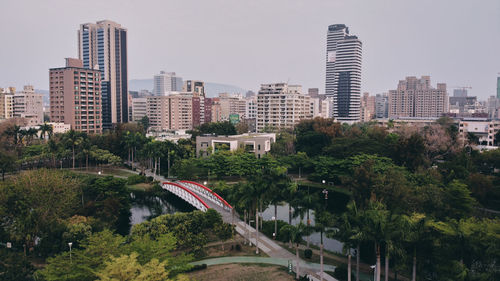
(428, 37)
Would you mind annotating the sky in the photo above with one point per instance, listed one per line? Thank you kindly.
(250, 42)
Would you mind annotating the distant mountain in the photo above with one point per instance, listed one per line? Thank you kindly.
(211, 89)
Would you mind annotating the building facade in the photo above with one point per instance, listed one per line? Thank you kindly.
(417, 98)
(138, 108)
(75, 97)
(258, 144)
(29, 105)
(367, 107)
(7, 103)
(174, 111)
(281, 106)
(166, 82)
(103, 45)
(343, 73)
(382, 106)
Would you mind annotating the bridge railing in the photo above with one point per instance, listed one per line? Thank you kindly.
(207, 193)
(186, 194)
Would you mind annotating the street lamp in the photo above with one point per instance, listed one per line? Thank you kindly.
(325, 192)
(374, 267)
(70, 259)
(205, 183)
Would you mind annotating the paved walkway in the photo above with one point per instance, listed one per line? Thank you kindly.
(275, 252)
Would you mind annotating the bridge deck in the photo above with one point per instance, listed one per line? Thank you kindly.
(267, 245)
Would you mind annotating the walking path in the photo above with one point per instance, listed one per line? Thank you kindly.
(271, 248)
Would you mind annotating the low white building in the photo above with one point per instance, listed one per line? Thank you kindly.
(259, 144)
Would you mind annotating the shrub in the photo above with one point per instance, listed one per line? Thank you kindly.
(341, 272)
(135, 179)
(238, 247)
(308, 253)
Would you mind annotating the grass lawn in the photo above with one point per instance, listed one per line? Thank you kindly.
(247, 272)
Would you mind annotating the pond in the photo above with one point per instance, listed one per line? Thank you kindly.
(315, 238)
(146, 206)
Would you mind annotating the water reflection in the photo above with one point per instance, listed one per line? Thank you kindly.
(282, 214)
(146, 206)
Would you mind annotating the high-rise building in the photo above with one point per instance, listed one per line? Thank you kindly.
(104, 44)
(417, 98)
(498, 87)
(382, 106)
(139, 108)
(197, 89)
(281, 106)
(166, 82)
(313, 92)
(343, 73)
(75, 96)
(367, 107)
(225, 104)
(171, 112)
(28, 104)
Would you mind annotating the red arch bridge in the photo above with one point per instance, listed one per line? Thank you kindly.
(197, 195)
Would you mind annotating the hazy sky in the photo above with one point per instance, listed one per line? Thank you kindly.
(249, 42)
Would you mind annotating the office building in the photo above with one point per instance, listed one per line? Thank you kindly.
(104, 45)
(29, 105)
(166, 82)
(343, 73)
(281, 106)
(75, 97)
(417, 98)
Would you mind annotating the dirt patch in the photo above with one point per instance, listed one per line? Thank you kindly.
(241, 272)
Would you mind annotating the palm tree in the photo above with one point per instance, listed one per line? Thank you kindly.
(14, 133)
(379, 226)
(296, 235)
(415, 227)
(73, 139)
(46, 129)
(323, 220)
(30, 134)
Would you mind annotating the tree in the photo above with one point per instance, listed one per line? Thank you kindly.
(73, 139)
(126, 267)
(46, 129)
(7, 163)
(34, 202)
(144, 123)
(297, 232)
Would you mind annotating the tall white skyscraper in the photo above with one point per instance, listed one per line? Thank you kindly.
(103, 45)
(166, 82)
(343, 73)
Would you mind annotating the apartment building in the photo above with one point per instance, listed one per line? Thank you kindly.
(225, 105)
(367, 107)
(75, 96)
(417, 98)
(7, 102)
(27, 104)
(138, 108)
(281, 106)
(175, 111)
